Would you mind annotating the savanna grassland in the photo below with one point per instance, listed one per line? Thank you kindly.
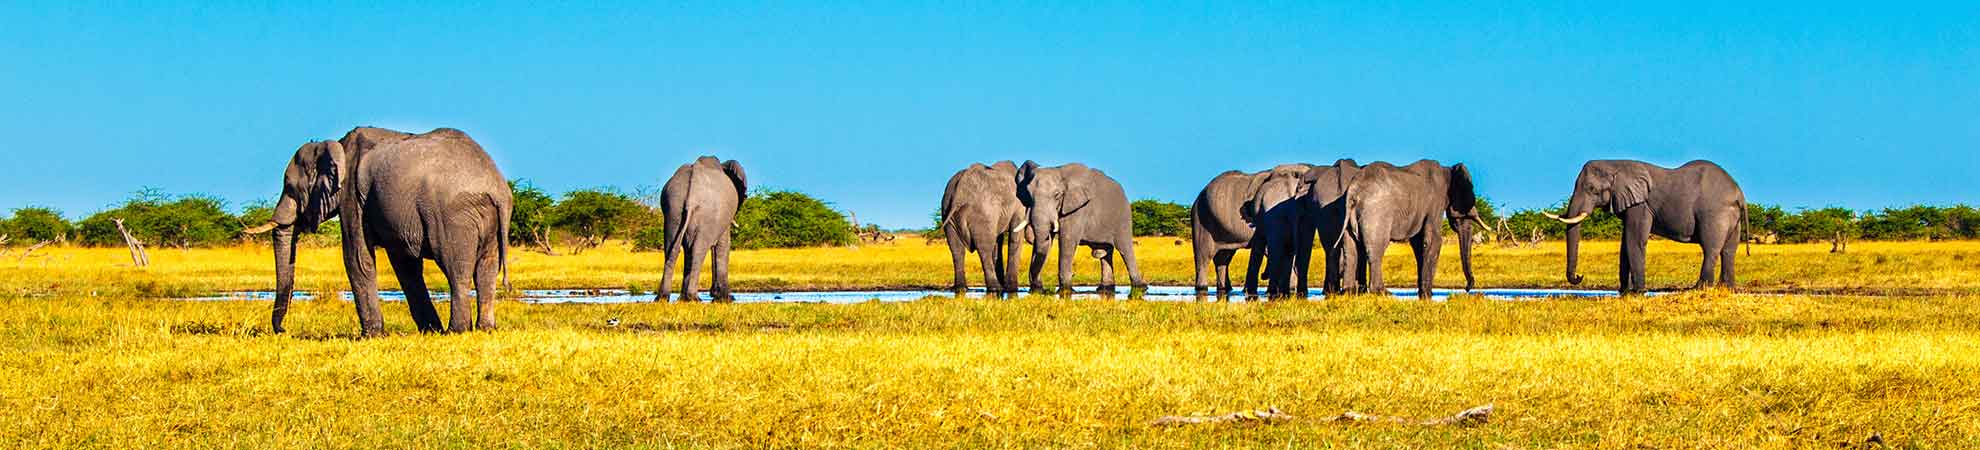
(100, 358)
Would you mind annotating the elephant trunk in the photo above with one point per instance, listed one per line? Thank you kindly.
(285, 273)
(1579, 207)
(1573, 254)
(1464, 252)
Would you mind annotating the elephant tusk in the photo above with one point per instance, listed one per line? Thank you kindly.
(1020, 226)
(260, 229)
(1055, 227)
(1570, 220)
(1481, 222)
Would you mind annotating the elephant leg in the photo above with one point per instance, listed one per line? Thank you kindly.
(986, 255)
(691, 275)
(1204, 251)
(1137, 285)
(1222, 260)
(412, 279)
(1039, 251)
(956, 250)
(1068, 245)
(1429, 246)
(486, 285)
(459, 269)
(361, 268)
(674, 253)
(1254, 261)
(719, 283)
(1637, 229)
(1730, 250)
(1010, 263)
(1374, 249)
(1707, 265)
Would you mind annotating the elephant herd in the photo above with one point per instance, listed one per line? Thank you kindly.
(438, 196)
(1352, 212)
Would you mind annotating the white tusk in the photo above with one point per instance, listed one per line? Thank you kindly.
(1020, 226)
(1055, 227)
(1570, 220)
(1481, 222)
(260, 229)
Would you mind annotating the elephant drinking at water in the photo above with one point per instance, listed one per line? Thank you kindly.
(425, 196)
(1694, 203)
(1412, 203)
(1257, 211)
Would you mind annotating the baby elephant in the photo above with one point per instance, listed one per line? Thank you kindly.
(700, 203)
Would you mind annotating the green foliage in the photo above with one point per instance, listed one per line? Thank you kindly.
(593, 216)
(529, 221)
(786, 219)
(1159, 218)
(36, 224)
(159, 219)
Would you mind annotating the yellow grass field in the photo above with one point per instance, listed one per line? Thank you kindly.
(98, 359)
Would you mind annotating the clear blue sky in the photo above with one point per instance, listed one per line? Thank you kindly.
(872, 106)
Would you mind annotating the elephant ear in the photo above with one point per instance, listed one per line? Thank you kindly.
(331, 174)
(1078, 191)
(736, 176)
(1462, 190)
(1628, 186)
(1256, 182)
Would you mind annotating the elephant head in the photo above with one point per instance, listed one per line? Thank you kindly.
(1616, 185)
(1049, 194)
(1276, 188)
(310, 187)
(1461, 212)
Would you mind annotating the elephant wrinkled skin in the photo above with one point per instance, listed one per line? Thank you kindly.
(425, 196)
(1078, 205)
(1694, 203)
(1388, 204)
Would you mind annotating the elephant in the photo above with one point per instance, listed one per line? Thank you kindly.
(1257, 211)
(981, 212)
(1078, 205)
(700, 203)
(1324, 189)
(433, 196)
(1387, 204)
(1694, 203)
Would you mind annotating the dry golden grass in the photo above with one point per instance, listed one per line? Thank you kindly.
(1869, 267)
(1699, 370)
(95, 365)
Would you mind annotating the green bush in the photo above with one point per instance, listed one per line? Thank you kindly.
(1159, 218)
(786, 219)
(36, 224)
(164, 220)
(592, 216)
(529, 221)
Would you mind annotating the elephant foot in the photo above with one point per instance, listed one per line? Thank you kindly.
(1064, 292)
(958, 288)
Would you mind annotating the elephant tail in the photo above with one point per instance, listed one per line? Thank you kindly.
(1349, 203)
(1745, 224)
(502, 246)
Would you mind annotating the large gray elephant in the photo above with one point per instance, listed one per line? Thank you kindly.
(981, 213)
(425, 196)
(1257, 211)
(1388, 204)
(700, 203)
(1324, 189)
(1694, 203)
(1078, 205)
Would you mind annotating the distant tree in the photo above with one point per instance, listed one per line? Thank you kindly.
(786, 219)
(36, 224)
(529, 222)
(1159, 218)
(595, 215)
(1903, 224)
(1765, 221)
(159, 219)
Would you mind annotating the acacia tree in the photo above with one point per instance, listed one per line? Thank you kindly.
(595, 215)
(1159, 218)
(530, 221)
(36, 224)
